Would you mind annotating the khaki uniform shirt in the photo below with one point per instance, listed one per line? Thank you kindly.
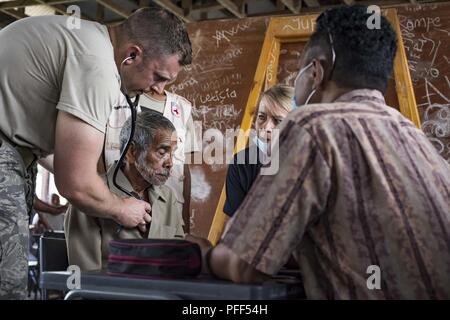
(47, 67)
(359, 189)
(88, 237)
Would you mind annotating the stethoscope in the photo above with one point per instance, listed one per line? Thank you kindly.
(133, 107)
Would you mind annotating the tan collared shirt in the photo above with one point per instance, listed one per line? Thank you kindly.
(47, 67)
(361, 198)
(88, 237)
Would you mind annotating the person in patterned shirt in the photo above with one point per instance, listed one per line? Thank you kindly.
(361, 198)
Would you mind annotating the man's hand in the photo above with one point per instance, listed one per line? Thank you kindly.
(225, 263)
(42, 206)
(62, 209)
(41, 225)
(204, 245)
(135, 212)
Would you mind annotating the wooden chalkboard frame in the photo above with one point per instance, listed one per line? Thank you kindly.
(299, 29)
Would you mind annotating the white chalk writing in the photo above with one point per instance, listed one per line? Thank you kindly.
(420, 47)
(272, 60)
(201, 188)
(233, 79)
(422, 38)
(218, 96)
(436, 120)
(221, 116)
(300, 23)
(230, 33)
(183, 85)
(215, 62)
(442, 30)
(424, 22)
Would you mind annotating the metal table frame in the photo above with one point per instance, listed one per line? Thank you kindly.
(97, 285)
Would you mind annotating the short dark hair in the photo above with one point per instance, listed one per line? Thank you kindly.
(159, 33)
(364, 57)
(148, 123)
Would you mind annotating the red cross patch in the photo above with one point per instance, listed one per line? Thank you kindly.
(176, 110)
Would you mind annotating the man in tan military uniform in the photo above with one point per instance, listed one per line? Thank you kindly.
(58, 86)
(148, 165)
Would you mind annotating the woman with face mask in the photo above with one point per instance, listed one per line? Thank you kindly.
(274, 105)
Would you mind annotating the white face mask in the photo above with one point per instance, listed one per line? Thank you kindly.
(294, 105)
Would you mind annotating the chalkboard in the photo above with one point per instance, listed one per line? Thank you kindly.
(426, 36)
(217, 83)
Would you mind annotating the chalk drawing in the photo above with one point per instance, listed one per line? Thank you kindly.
(200, 189)
(300, 23)
(229, 33)
(436, 119)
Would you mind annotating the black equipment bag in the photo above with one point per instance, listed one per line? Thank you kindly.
(154, 258)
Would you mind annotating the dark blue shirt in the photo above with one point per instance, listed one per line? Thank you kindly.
(240, 177)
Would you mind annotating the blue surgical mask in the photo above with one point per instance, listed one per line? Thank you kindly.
(260, 144)
(294, 104)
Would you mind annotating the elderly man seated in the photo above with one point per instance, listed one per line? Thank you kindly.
(146, 168)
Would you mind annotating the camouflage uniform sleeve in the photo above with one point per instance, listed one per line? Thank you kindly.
(13, 225)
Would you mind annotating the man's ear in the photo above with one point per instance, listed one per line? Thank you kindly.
(135, 53)
(131, 155)
(318, 73)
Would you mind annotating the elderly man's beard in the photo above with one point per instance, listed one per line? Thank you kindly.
(153, 177)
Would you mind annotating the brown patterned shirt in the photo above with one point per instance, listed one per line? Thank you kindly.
(358, 185)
